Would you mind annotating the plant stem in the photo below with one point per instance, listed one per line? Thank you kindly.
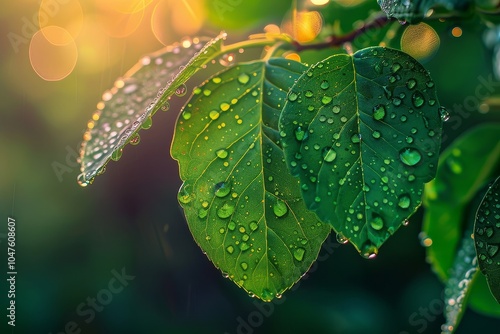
(336, 41)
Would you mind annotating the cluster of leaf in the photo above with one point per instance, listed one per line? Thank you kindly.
(275, 153)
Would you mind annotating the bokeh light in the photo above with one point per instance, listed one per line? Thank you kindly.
(68, 16)
(456, 32)
(53, 61)
(305, 27)
(319, 2)
(118, 24)
(420, 41)
(124, 6)
(187, 16)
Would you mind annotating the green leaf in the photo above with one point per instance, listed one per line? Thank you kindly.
(242, 206)
(363, 134)
(413, 11)
(487, 237)
(136, 97)
(463, 169)
(458, 287)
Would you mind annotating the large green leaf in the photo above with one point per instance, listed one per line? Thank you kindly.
(363, 134)
(458, 287)
(136, 97)
(414, 11)
(242, 206)
(487, 237)
(464, 167)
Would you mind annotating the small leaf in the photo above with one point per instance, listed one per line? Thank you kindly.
(363, 134)
(463, 169)
(487, 237)
(242, 206)
(135, 97)
(414, 11)
(458, 287)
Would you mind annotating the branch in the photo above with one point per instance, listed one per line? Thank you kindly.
(337, 41)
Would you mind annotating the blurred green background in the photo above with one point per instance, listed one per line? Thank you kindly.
(70, 240)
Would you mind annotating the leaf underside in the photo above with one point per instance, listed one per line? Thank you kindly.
(487, 237)
(135, 97)
(413, 11)
(242, 206)
(363, 133)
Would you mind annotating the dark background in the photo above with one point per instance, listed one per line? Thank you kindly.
(70, 239)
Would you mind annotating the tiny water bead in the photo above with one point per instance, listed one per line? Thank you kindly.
(324, 84)
(298, 253)
(226, 210)
(369, 250)
(326, 99)
(292, 96)
(243, 78)
(410, 156)
(341, 239)
(300, 134)
(379, 112)
(377, 223)
(222, 189)
(417, 99)
(280, 208)
(404, 201)
(222, 153)
(444, 114)
(181, 90)
(329, 154)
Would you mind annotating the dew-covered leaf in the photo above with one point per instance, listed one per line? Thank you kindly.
(135, 97)
(413, 11)
(487, 237)
(464, 167)
(463, 274)
(363, 134)
(242, 206)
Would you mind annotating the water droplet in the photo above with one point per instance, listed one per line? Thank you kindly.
(222, 189)
(377, 223)
(243, 78)
(424, 239)
(214, 114)
(329, 154)
(324, 84)
(336, 109)
(184, 196)
(244, 246)
(117, 154)
(341, 239)
(410, 156)
(135, 139)
(309, 93)
(147, 123)
(202, 213)
(280, 208)
(181, 90)
(224, 106)
(186, 115)
(395, 67)
(292, 96)
(404, 201)
(216, 80)
(300, 134)
(378, 112)
(222, 153)
(298, 253)
(226, 210)
(355, 138)
(254, 225)
(230, 249)
(326, 99)
(82, 180)
(406, 222)
(227, 59)
(417, 99)
(165, 106)
(444, 114)
(369, 250)
(376, 134)
(244, 265)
